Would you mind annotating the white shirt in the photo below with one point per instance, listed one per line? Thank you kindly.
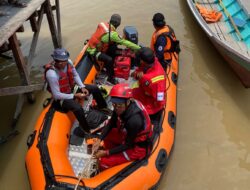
(52, 77)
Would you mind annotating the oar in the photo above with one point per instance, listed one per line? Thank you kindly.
(231, 19)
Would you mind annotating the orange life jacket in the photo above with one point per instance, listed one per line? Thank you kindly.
(66, 80)
(95, 40)
(152, 86)
(209, 15)
(172, 43)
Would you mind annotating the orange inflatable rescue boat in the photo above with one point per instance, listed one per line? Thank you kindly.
(52, 162)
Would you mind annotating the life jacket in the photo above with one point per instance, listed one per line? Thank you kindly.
(66, 80)
(209, 15)
(95, 40)
(147, 131)
(152, 89)
(173, 45)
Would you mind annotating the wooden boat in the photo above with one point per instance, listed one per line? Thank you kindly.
(231, 34)
(53, 163)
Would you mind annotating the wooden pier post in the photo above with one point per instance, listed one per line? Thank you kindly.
(8, 27)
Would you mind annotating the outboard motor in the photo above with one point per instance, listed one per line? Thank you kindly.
(131, 34)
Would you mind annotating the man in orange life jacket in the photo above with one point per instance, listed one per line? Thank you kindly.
(163, 42)
(127, 136)
(103, 44)
(62, 76)
(152, 82)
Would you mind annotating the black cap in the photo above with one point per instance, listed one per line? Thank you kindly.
(115, 20)
(147, 55)
(159, 20)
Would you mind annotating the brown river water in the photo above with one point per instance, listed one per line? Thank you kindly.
(212, 146)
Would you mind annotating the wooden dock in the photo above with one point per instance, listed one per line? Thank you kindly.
(11, 22)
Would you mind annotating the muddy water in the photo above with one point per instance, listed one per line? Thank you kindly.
(212, 147)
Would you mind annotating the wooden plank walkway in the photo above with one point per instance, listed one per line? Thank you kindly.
(15, 18)
(10, 23)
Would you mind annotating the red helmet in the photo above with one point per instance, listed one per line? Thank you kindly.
(121, 91)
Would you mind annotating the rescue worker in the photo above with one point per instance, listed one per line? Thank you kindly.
(103, 44)
(127, 136)
(152, 82)
(62, 76)
(163, 42)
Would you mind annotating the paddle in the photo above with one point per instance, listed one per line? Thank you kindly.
(231, 19)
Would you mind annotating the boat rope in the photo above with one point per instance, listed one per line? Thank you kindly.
(88, 170)
(231, 19)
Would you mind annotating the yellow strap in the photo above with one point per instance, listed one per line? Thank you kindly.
(158, 78)
(135, 85)
(231, 19)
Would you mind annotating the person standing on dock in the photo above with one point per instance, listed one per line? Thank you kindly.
(163, 42)
(62, 76)
(103, 44)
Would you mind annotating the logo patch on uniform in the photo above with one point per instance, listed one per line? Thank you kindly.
(160, 48)
(160, 96)
(146, 83)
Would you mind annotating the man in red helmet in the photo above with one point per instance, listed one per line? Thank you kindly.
(152, 83)
(127, 136)
(103, 44)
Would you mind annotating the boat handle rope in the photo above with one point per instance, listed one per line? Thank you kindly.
(87, 169)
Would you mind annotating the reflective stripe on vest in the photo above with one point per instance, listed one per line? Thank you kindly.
(95, 40)
(157, 78)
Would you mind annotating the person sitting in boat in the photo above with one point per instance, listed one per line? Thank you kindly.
(163, 42)
(127, 136)
(151, 89)
(103, 44)
(62, 76)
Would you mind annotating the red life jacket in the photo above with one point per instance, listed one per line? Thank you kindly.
(152, 89)
(148, 131)
(95, 40)
(143, 135)
(66, 80)
(172, 43)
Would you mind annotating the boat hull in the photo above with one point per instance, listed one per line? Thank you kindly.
(47, 161)
(238, 61)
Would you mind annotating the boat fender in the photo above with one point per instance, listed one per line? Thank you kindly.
(31, 138)
(161, 160)
(171, 119)
(174, 78)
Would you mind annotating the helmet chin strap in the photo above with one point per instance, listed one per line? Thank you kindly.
(127, 103)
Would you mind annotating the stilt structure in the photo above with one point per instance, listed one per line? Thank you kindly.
(11, 23)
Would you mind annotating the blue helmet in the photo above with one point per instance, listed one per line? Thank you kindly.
(60, 54)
